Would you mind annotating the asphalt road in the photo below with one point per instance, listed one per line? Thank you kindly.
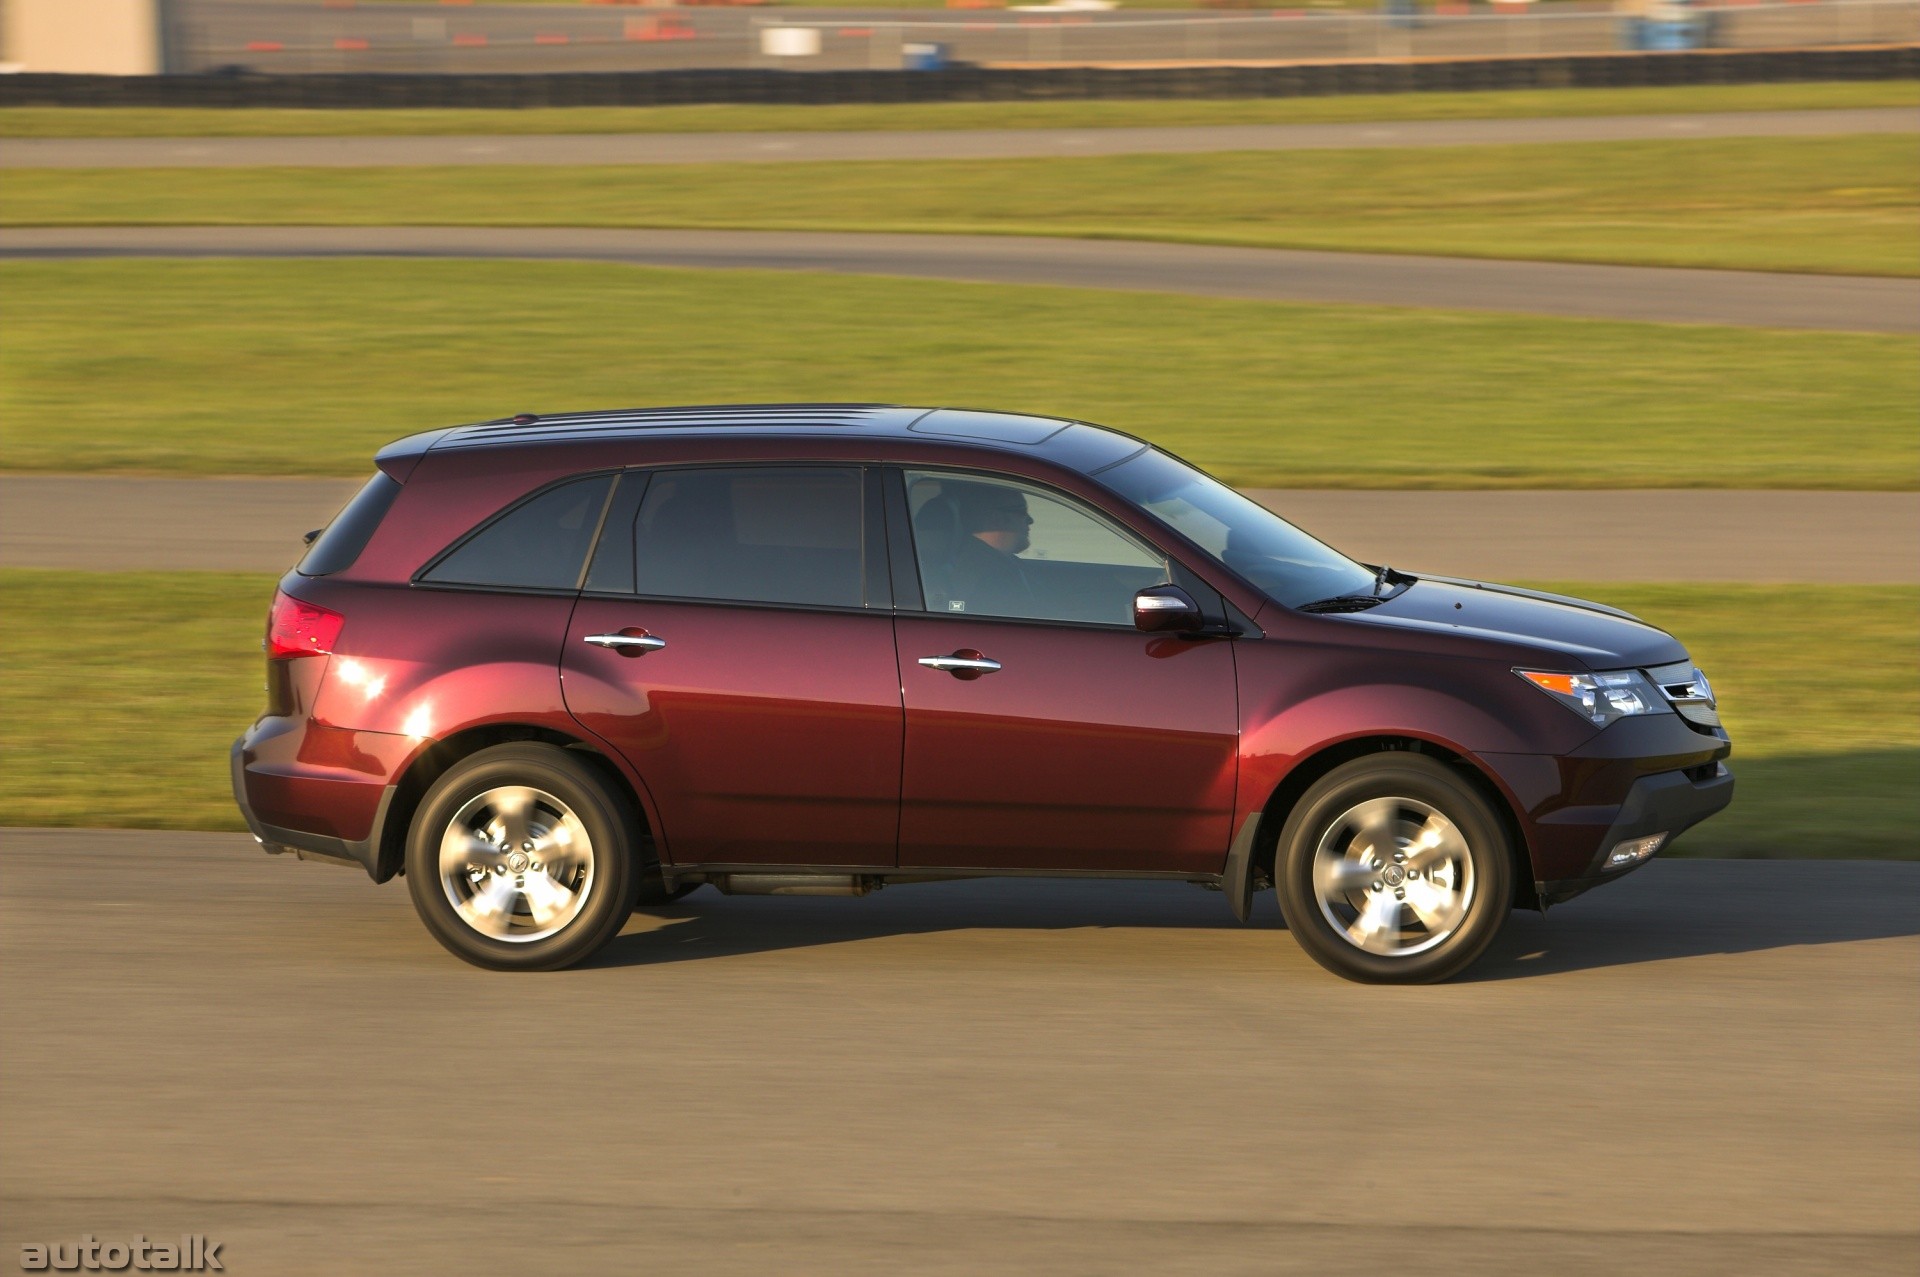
(1641, 293)
(1708, 1068)
(788, 147)
(113, 523)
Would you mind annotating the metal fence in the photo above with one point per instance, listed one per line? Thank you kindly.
(320, 37)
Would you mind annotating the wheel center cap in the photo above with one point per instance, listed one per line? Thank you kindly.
(518, 862)
(1393, 875)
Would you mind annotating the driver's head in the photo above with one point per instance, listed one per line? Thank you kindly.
(994, 514)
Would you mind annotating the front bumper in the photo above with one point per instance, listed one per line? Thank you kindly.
(1667, 803)
(1638, 777)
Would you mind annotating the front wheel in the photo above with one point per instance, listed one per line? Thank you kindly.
(1394, 869)
(521, 858)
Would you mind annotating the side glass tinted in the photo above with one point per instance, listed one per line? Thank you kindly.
(997, 547)
(340, 544)
(540, 544)
(775, 534)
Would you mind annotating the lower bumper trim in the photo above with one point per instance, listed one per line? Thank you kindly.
(1669, 803)
(275, 840)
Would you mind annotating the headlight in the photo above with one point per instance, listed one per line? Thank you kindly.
(1599, 698)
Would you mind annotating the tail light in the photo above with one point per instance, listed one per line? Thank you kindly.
(297, 628)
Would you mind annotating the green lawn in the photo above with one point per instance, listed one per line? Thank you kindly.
(727, 118)
(307, 367)
(1827, 757)
(1843, 204)
(125, 734)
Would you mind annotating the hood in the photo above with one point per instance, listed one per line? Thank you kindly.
(1601, 637)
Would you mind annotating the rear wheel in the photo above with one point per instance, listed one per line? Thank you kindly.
(521, 857)
(1394, 869)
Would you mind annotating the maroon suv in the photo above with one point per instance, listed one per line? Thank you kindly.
(547, 667)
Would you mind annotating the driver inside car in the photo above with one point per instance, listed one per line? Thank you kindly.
(994, 528)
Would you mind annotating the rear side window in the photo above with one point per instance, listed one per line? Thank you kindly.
(336, 548)
(754, 535)
(540, 544)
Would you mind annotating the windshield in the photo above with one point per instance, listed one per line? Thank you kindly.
(1284, 562)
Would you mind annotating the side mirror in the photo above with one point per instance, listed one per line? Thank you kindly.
(312, 536)
(1166, 609)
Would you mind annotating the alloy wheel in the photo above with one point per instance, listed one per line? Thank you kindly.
(516, 863)
(1393, 876)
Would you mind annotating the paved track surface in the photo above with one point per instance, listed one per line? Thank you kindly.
(1707, 1068)
(1642, 293)
(712, 148)
(254, 525)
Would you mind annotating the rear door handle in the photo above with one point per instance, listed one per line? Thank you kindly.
(965, 663)
(637, 643)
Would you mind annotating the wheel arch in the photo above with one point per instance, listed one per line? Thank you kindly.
(432, 762)
(1303, 774)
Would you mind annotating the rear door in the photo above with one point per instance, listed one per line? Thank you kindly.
(735, 644)
(1042, 730)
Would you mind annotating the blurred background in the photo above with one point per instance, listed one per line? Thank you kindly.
(1619, 299)
(1654, 256)
(468, 37)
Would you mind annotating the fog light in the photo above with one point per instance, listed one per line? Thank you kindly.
(1633, 849)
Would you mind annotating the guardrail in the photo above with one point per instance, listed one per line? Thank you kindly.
(667, 88)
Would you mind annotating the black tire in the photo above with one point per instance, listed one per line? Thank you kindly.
(1482, 875)
(608, 889)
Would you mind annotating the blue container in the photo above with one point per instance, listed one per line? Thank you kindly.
(923, 57)
(1666, 34)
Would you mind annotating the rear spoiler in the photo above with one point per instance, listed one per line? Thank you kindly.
(398, 458)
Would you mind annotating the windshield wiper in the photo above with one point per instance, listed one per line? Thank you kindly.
(1384, 579)
(1343, 603)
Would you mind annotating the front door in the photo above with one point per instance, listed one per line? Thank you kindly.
(1042, 730)
(726, 647)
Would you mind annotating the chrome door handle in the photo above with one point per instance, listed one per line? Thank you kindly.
(963, 664)
(627, 644)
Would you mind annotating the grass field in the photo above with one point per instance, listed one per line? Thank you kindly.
(1843, 204)
(728, 118)
(307, 367)
(1817, 683)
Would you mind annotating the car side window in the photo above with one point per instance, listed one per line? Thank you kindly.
(999, 547)
(760, 534)
(540, 544)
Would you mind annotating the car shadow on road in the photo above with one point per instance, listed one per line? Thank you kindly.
(1677, 909)
(1702, 908)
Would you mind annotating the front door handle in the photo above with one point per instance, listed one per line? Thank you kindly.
(627, 642)
(965, 663)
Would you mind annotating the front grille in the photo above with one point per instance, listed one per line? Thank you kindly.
(1688, 691)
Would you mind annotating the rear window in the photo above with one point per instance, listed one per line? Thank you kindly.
(540, 544)
(336, 548)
